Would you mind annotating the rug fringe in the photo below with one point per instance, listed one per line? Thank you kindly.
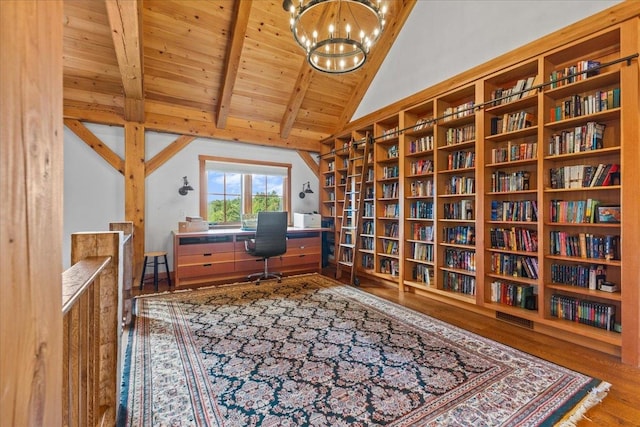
(594, 397)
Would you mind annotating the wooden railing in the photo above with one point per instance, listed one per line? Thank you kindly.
(93, 312)
(82, 308)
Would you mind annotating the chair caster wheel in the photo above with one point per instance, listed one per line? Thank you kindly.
(356, 281)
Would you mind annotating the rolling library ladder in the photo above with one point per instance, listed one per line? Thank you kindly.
(358, 161)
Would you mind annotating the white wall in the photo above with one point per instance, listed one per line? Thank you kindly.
(442, 38)
(94, 191)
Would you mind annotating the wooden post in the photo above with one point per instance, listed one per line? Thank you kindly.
(134, 188)
(31, 183)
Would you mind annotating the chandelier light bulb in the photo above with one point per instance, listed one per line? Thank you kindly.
(342, 63)
(348, 29)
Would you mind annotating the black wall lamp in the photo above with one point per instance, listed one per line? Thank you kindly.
(184, 190)
(306, 190)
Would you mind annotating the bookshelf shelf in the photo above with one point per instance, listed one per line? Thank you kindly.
(453, 123)
(613, 296)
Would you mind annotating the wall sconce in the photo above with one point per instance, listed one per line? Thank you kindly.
(184, 190)
(306, 190)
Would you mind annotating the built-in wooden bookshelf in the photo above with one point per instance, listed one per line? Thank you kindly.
(511, 192)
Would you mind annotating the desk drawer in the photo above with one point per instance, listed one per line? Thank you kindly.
(209, 269)
(206, 258)
(205, 248)
(299, 260)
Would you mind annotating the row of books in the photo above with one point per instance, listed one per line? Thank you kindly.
(391, 229)
(422, 252)
(393, 152)
(573, 211)
(583, 105)
(461, 283)
(514, 210)
(459, 111)
(329, 180)
(421, 209)
(573, 73)
(422, 232)
(421, 167)
(583, 276)
(460, 185)
(459, 210)
(421, 144)
(391, 132)
(391, 171)
(367, 261)
(514, 265)
(584, 245)
(389, 247)
(422, 273)
(461, 160)
(369, 210)
(514, 152)
(502, 182)
(462, 134)
(391, 210)
(460, 258)
(390, 190)
(368, 227)
(459, 235)
(521, 89)
(583, 176)
(512, 294)
(347, 255)
(367, 242)
(423, 123)
(511, 122)
(389, 266)
(514, 239)
(422, 188)
(588, 137)
(587, 312)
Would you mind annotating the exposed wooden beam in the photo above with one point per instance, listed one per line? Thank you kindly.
(232, 62)
(248, 133)
(134, 188)
(126, 31)
(167, 153)
(308, 159)
(94, 142)
(295, 101)
(400, 13)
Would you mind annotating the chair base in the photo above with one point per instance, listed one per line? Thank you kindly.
(264, 275)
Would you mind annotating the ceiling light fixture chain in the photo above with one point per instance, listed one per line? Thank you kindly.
(353, 27)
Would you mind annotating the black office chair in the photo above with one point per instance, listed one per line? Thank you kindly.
(270, 241)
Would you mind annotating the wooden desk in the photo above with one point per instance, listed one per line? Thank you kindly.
(220, 256)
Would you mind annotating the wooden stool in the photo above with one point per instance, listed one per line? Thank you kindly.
(156, 262)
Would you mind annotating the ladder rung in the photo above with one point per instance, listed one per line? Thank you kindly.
(347, 263)
(347, 245)
(349, 227)
(354, 175)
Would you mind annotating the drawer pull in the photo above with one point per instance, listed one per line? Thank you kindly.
(207, 265)
(206, 254)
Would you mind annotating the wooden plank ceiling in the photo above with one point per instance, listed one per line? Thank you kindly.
(227, 69)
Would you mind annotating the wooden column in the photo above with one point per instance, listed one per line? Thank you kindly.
(134, 188)
(31, 184)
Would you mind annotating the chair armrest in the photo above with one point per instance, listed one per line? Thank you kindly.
(249, 244)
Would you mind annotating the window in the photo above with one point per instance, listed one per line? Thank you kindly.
(231, 188)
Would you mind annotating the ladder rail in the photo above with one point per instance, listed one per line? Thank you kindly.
(353, 209)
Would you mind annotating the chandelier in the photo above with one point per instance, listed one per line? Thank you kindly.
(336, 34)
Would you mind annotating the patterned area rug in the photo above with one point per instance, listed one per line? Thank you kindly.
(313, 352)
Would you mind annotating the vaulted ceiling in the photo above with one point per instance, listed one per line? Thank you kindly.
(227, 69)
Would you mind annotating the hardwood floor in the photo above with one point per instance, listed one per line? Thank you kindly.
(621, 407)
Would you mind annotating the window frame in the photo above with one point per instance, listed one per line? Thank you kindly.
(246, 198)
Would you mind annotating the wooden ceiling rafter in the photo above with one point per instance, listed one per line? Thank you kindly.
(167, 153)
(126, 29)
(241, 13)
